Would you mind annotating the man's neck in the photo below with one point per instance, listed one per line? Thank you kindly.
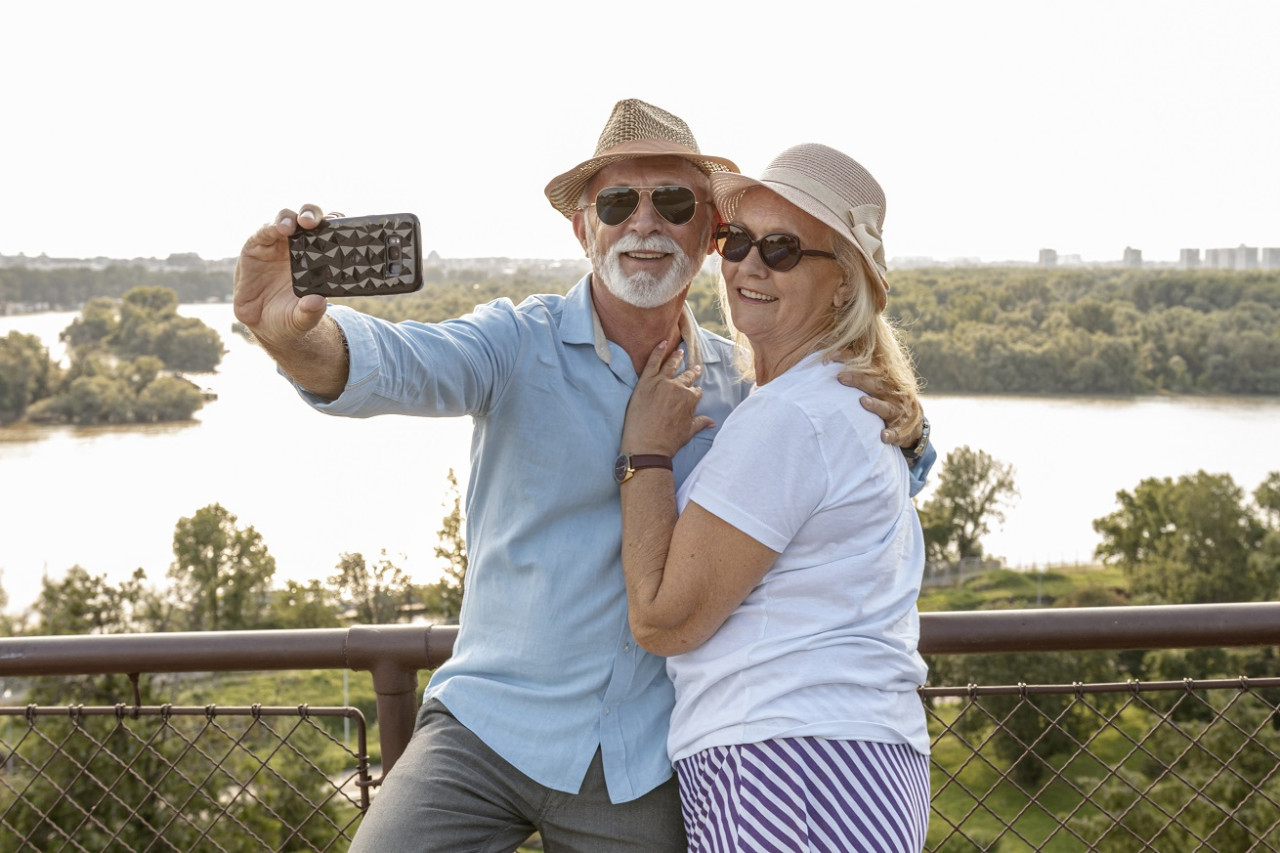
(637, 330)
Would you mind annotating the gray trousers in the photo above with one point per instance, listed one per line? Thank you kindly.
(450, 793)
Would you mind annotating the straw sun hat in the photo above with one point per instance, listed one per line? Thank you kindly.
(828, 185)
(635, 129)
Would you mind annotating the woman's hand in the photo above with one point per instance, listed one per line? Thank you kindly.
(661, 417)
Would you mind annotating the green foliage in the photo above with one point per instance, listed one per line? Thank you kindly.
(973, 488)
(221, 573)
(1193, 540)
(445, 596)
(1222, 793)
(176, 783)
(454, 292)
(150, 325)
(118, 392)
(82, 603)
(120, 355)
(376, 593)
(1091, 331)
(1069, 586)
(298, 605)
(1267, 497)
(1038, 728)
(65, 288)
(26, 375)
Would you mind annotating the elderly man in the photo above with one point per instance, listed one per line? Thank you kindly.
(548, 717)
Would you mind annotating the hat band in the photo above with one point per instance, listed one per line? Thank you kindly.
(861, 220)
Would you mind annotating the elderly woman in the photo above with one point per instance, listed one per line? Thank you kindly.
(781, 582)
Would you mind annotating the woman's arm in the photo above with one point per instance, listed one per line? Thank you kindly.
(684, 576)
(684, 573)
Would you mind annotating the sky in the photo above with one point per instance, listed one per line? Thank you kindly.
(141, 129)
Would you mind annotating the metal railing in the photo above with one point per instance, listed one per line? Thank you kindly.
(1078, 766)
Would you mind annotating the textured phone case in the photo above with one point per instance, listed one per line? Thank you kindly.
(357, 256)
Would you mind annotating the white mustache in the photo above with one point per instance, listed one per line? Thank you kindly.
(653, 243)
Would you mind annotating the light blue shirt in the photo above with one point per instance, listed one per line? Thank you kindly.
(545, 670)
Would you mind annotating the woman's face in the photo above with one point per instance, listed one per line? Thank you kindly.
(783, 313)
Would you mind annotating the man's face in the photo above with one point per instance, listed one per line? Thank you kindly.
(647, 261)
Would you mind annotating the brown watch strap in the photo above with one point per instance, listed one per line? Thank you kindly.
(650, 460)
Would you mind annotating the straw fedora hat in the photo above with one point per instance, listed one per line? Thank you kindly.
(828, 185)
(635, 129)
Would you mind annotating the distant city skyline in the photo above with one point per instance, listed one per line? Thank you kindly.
(1241, 257)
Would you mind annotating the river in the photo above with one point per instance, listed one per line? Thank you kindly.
(108, 498)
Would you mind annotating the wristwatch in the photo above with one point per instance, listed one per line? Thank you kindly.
(915, 452)
(627, 464)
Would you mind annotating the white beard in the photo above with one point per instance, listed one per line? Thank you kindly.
(642, 289)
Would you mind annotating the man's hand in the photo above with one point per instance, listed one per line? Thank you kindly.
(901, 428)
(293, 331)
(903, 416)
(264, 298)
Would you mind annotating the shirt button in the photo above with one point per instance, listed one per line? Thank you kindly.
(606, 710)
(626, 647)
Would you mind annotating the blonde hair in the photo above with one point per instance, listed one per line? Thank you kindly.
(860, 337)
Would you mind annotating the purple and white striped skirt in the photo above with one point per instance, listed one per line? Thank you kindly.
(805, 794)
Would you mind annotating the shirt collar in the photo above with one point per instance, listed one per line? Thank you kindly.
(576, 331)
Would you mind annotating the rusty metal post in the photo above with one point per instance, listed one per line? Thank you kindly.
(393, 654)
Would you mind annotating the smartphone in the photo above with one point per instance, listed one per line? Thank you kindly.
(358, 256)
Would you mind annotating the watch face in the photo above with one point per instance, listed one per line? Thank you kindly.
(620, 467)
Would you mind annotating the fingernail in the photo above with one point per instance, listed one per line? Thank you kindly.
(286, 221)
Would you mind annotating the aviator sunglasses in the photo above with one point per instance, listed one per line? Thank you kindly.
(779, 251)
(614, 205)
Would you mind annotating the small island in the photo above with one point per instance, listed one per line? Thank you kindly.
(127, 359)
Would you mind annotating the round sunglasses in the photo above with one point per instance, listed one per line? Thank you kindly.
(614, 205)
(779, 252)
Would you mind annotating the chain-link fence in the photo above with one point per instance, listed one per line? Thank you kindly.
(1177, 766)
(181, 779)
(1160, 766)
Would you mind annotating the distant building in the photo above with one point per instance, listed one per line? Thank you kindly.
(1048, 257)
(1132, 257)
(1189, 259)
(1246, 257)
(1271, 258)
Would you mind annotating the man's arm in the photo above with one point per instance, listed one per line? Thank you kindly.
(307, 345)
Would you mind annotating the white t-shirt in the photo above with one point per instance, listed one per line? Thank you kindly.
(825, 646)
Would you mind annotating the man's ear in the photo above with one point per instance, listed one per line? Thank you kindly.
(580, 229)
(716, 222)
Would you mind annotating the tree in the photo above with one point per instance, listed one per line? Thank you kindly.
(973, 489)
(221, 573)
(1267, 497)
(1038, 728)
(97, 322)
(81, 603)
(26, 374)
(309, 605)
(1189, 541)
(167, 398)
(447, 592)
(376, 593)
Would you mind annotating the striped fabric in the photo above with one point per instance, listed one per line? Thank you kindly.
(806, 794)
